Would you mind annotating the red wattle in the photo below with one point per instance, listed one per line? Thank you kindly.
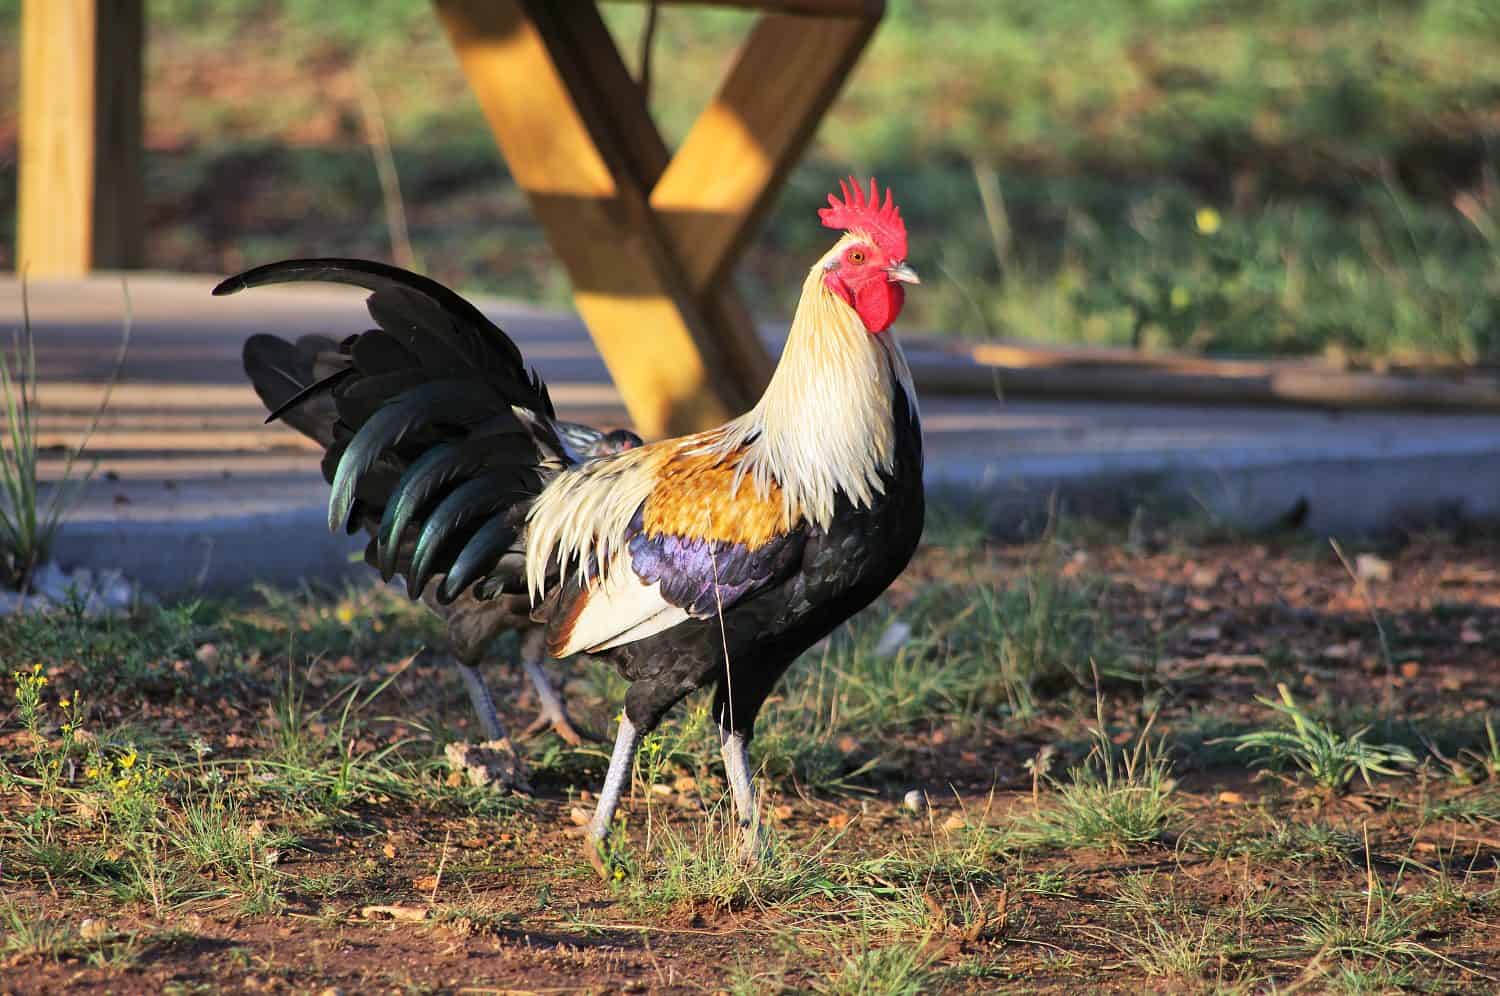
(877, 300)
(878, 304)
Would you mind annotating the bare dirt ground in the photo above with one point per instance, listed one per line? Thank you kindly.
(252, 798)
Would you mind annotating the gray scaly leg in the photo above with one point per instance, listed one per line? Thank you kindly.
(627, 742)
(736, 750)
(494, 763)
(554, 715)
(484, 703)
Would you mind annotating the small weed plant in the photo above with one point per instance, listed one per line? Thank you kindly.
(28, 521)
(1329, 758)
(1117, 799)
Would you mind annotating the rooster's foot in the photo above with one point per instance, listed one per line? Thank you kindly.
(755, 846)
(561, 724)
(593, 850)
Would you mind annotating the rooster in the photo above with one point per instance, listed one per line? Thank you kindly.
(281, 372)
(707, 561)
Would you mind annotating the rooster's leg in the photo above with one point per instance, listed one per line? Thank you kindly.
(554, 715)
(736, 749)
(484, 703)
(627, 742)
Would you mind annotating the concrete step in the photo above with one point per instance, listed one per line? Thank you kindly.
(192, 490)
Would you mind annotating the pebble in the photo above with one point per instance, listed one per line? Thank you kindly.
(1369, 567)
(893, 639)
(914, 801)
(106, 592)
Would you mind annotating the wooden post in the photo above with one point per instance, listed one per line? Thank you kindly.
(650, 241)
(81, 176)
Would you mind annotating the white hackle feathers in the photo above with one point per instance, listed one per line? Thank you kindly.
(822, 427)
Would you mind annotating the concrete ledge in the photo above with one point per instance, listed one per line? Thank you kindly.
(1349, 493)
(1327, 495)
(194, 493)
(218, 555)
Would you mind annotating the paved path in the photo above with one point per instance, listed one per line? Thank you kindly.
(192, 489)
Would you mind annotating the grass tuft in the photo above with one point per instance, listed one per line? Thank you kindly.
(1331, 759)
(892, 970)
(1116, 799)
(29, 524)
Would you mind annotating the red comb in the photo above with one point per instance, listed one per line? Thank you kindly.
(881, 222)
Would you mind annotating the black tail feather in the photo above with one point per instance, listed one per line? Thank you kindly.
(420, 423)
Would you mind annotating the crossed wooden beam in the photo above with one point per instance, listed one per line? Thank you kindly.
(649, 239)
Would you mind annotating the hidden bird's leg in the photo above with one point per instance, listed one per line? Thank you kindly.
(554, 715)
(735, 746)
(494, 763)
(484, 703)
(627, 742)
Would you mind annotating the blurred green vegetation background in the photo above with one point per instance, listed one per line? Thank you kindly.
(1222, 176)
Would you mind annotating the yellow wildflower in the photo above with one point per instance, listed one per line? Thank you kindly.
(1208, 220)
(128, 761)
(36, 668)
(64, 702)
(344, 614)
(92, 771)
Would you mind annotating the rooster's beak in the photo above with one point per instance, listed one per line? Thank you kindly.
(901, 273)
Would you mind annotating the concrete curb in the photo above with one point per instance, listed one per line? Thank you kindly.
(1348, 494)
(217, 555)
(194, 493)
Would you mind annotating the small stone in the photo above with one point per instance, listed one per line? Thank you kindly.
(1368, 567)
(1204, 577)
(914, 801)
(662, 791)
(954, 822)
(50, 582)
(408, 913)
(896, 636)
(90, 928)
(207, 655)
(1231, 798)
(1204, 634)
(492, 763)
(579, 816)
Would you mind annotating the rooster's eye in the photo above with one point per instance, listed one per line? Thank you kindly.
(855, 256)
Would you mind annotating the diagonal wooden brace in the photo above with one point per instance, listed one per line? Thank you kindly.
(650, 240)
